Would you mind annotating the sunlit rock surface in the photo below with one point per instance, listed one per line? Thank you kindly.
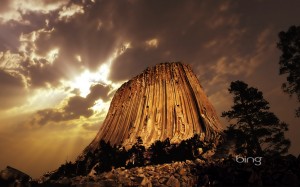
(165, 101)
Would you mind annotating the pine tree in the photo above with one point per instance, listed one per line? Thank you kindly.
(159, 151)
(257, 130)
(137, 153)
(289, 62)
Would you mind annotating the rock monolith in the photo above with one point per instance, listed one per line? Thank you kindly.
(164, 101)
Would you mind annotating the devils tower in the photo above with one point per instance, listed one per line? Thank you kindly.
(164, 101)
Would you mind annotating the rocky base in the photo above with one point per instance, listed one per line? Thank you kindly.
(273, 171)
(174, 174)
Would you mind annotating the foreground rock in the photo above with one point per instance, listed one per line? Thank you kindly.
(273, 171)
(175, 174)
(13, 177)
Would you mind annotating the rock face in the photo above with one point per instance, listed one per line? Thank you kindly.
(168, 175)
(13, 176)
(165, 101)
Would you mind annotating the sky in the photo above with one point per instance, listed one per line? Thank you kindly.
(61, 62)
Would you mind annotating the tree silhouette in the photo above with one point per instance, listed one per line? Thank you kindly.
(104, 156)
(137, 153)
(196, 144)
(183, 151)
(159, 151)
(289, 61)
(121, 155)
(257, 130)
(80, 167)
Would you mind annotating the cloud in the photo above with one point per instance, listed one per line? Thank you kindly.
(75, 107)
(169, 33)
(15, 9)
(68, 11)
(158, 34)
(66, 38)
(79, 48)
(12, 90)
(90, 127)
(199, 33)
(152, 42)
(36, 40)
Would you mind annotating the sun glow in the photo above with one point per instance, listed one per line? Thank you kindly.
(100, 105)
(84, 81)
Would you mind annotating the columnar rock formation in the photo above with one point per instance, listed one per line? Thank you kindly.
(165, 101)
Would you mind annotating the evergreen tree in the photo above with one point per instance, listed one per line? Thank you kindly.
(159, 151)
(121, 155)
(80, 167)
(184, 151)
(195, 145)
(137, 153)
(257, 130)
(104, 155)
(289, 61)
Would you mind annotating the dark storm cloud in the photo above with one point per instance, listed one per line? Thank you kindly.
(248, 47)
(196, 32)
(83, 34)
(42, 73)
(10, 31)
(99, 91)
(4, 5)
(221, 40)
(75, 107)
(106, 25)
(182, 30)
(20, 27)
(12, 92)
(24, 17)
(169, 25)
(73, 35)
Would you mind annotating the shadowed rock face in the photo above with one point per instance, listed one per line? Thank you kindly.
(11, 176)
(165, 101)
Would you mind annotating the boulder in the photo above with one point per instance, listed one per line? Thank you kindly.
(146, 182)
(199, 161)
(109, 175)
(208, 154)
(110, 182)
(11, 174)
(65, 181)
(182, 171)
(162, 180)
(173, 182)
